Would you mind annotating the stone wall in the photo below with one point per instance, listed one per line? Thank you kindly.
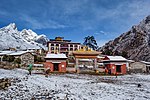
(137, 67)
(7, 65)
(27, 59)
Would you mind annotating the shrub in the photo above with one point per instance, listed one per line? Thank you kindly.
(5, 58)
(17, 61)
(124, 54)
(8, 58)
(38, 59)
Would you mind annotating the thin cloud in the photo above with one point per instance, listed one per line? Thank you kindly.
(101, 32)
(126, 8)
(41, 24)
(113, 17)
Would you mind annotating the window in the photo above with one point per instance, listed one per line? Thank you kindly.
(71, 49)
(52, 48)
(52, 44)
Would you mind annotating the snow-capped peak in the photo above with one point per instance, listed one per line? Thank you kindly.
(41, 36)
(11, 26)
(29, 35)
(42, 39)
(28, 32)
(25, 39)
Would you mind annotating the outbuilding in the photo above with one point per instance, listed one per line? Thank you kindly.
(147, 66)
(137, 67)
(25, 56)
(56, 62)
(115, 64)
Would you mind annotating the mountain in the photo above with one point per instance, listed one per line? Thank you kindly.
(29, 35)
(10, 37)
(134, 44)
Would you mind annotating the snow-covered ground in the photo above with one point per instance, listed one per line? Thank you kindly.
(74, 87)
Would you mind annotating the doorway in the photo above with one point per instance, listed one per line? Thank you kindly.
(56, 67)
(118, 68)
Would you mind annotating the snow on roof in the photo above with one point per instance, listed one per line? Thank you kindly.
(55, 56)
(86, 52)
(116, 58)
(18, 53)
(12, 52)
(5, 52)
(131, 61)
(101, 57)
(145, 62)
(88, 60)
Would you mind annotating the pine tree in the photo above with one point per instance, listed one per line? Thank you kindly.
(90, 42)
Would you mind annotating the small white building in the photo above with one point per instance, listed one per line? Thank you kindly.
(56, 62)
(115, 64)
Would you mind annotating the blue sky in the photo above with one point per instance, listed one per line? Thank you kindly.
(75, 19)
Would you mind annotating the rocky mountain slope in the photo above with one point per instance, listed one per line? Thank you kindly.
(134, 44)
(10, 37)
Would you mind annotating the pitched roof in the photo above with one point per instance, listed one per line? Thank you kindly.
(17, 53)
(86, 52)
(145, 62)
(55, 56)
(88, 60)
(14, 53)
(5, 52)
(116, 58)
